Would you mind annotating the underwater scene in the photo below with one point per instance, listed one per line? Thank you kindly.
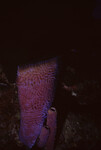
(50, 76)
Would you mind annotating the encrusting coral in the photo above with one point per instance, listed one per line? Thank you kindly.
(35, 92)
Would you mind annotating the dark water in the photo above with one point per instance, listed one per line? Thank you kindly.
(31, 32)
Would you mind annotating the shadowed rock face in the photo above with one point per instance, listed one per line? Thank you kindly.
(35, 92)
(9, 114)
(79, 131)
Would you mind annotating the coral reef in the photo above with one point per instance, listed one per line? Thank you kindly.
(77, 101)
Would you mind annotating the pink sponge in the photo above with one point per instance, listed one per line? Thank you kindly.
(48, 132)
(35, 91)
(52, 124)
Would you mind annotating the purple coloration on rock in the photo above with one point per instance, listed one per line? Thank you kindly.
(35, 91)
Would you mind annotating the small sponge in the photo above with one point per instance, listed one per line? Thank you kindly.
(52, 124)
